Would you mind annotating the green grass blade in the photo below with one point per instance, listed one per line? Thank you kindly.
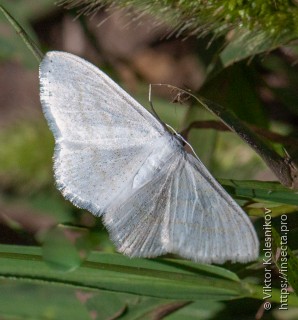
(259, 190)
(169, 279)
(162, 279)
(25, 37)
(287, 262)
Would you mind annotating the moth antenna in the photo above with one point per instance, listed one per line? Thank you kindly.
(153, 110)
(185, 141)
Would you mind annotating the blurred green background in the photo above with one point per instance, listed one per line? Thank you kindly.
(261, 89)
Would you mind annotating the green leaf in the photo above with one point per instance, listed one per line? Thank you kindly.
(238, 93)
(198, 310)
(286, 261)
(65, 247)
(276, 210)
(259, 190)
(111, 286)
(244, 44)
(59, 252)
(168, 279)
(21, 300)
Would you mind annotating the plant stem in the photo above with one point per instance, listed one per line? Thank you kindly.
(22, 33)
(283, 167)
(220, 126)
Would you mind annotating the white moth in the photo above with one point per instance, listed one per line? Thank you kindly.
(115, 159)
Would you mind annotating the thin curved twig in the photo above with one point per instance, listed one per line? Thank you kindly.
(283, 167)
(22, 33)
(220, 126)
